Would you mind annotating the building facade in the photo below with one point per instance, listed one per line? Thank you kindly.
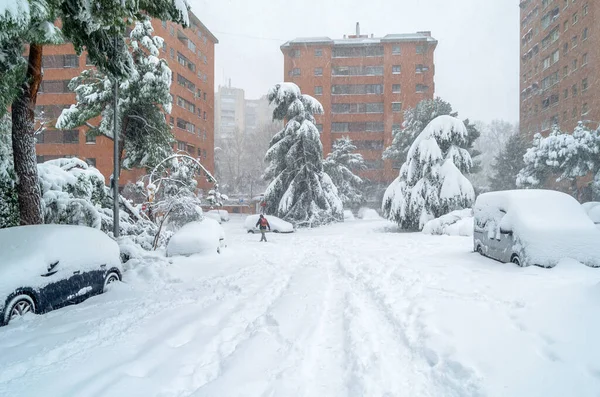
(364, 84)
(258, 114)
(229, 111)
(190, 53)
(560, 64)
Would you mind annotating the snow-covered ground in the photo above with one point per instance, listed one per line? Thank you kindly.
(352, 309)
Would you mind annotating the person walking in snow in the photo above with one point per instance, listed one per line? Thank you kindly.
(263, 224)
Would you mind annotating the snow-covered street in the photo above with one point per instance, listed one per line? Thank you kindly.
(353, 309)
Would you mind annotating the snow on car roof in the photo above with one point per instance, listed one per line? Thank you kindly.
(540, 209)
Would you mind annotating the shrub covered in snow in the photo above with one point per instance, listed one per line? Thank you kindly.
(566, 157)
(300, 191)
(593, 210)
(340, 165)
(456, 223)
(431, 182)
(348, 215)
(9, 206)
(368, 214)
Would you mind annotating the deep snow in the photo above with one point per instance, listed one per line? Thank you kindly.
(351, 309)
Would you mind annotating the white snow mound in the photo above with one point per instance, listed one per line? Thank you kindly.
(456, 223)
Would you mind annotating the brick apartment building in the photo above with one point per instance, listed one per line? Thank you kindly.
(560, 64)
(190, 53)
(364, 83)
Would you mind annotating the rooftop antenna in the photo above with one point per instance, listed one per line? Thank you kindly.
(357, 28)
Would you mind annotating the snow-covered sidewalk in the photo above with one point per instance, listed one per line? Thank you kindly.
(343, 310)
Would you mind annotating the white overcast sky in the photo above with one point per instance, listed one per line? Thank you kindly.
(477, 58)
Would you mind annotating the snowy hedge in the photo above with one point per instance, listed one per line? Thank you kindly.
(431, 181)
(456, 223)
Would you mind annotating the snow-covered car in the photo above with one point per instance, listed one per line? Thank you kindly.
(455, 223)
(223, 215)
(593, 210)
(205, 236)
(534, 227)
(277, 225)
(213, 216)
(368, 214)
(46, 267)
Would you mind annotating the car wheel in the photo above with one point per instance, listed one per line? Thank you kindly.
(275, 231)
(218, 250)
(18, 307)
(479, 250)
(251, 231)
(516, 260)
(111, 277)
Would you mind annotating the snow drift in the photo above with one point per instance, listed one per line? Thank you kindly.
(456, 223)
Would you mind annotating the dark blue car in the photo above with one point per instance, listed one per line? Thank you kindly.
(45, 267)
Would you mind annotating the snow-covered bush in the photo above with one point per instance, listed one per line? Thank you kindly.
(431, 182)
(368, 214)
(339, 165)
(74, 193)
(300, 191)
(9, 206)
(564, 157)
(456, 223)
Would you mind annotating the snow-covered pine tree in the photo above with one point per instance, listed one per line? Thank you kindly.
(299, 191)
(567, 157)
(415, 121)
(144, 97)
(339, 165)
(95, 26)
(431, 181)
(508, 163)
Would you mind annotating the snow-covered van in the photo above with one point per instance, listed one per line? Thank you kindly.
(534, 227)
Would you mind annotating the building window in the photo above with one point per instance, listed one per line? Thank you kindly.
(318, 52)
(295, 53)
(584, 109)
(420, 49)
(343, 108)
(171, 121)
(574, 41)
(585, 9)
(566, 25)
(71, 136)
(318, 71)
(374, 164)
(88, 61)
(584, 59)
(421, 88)
(181, 146)
(421, 68)
(396, 107)
(204, 96)
(574, 112)
(566, 93)
(574, 64)
(584, 84)
(396, 127)
(319, 127)
(370, 126)
(91, 161)
(368, 145)
(396, 50)
(395, 88)
(90, 139)
(60, 61)
(357, 89)
(171, 31)
(584, 35)
(574, 90)
(172, 51)
(565, 71)
(396, 69)
(204, 116)
(357, 71)
(164, 24)
(295, 72)
(319, 90)
(575, 18)
(358, 52)
(54, 86)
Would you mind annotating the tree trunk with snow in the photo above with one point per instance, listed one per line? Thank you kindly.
(23, 141)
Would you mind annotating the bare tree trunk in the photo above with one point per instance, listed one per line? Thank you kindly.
(23, 141)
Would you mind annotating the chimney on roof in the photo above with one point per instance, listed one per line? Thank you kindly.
(357, 29)
(344, 36)
(372, 35)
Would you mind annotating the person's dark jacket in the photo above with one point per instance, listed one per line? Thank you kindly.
(263, 227)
